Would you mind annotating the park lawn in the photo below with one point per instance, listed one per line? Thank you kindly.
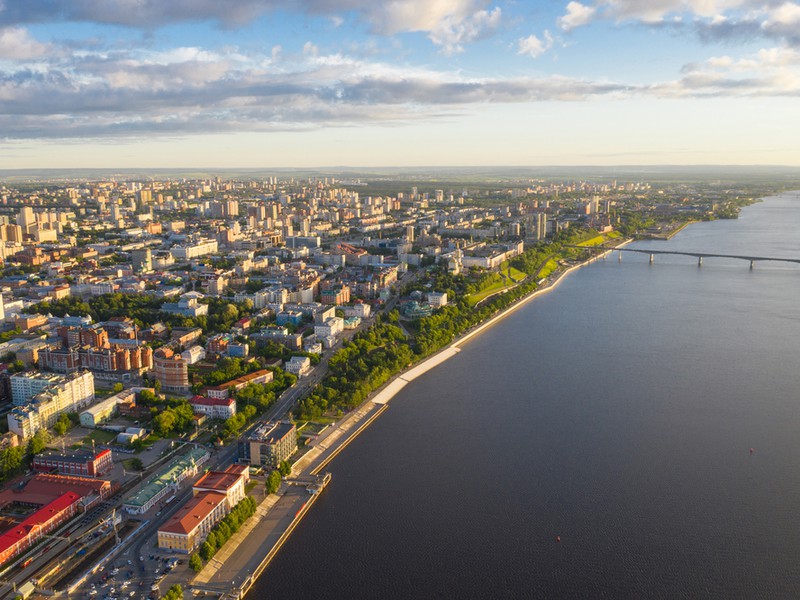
(100, 437)
(492, 289)
(600, 239)
(595, 241)
(515, 274)
(550, 266)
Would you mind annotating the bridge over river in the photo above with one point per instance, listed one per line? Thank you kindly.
(698, 255)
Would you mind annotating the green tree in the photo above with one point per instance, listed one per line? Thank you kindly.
(174, 593)
(273, 482)
(118, 387)
(147, 398)
(206, 551)
(164, 422)
(285, 468)
(224, 532)
(137, 464)
(62, 425)
(213, 540)
(11, 461)
(38, 442)
(196, 563)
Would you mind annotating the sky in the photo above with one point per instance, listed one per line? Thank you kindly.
(322, 83)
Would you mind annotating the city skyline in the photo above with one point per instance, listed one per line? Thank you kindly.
(270, 83)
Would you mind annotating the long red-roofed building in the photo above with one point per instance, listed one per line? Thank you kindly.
(21, 537)
(58, 497)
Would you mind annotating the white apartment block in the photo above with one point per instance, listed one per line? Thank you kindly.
(70, 393)
(190, 251)
(330, 328)
(25, 386)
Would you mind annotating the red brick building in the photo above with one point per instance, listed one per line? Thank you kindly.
(78, 463)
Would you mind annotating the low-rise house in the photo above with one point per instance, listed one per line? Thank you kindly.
(226, 389)
(215, 408)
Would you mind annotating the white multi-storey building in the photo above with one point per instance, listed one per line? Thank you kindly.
(330, 328)
(191, 251)
(25, 386)
(70, 393)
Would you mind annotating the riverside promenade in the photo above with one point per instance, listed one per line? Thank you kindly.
(234, 569)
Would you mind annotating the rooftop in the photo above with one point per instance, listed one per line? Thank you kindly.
(194, 512)
(77, 456)
(243, 380)
(37, 519)
(206, 401)
(271, 433)
(221, 480)
(166, 476)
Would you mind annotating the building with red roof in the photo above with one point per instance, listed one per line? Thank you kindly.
(231, 482)
(188, 527)
(215, 408)
(226, 389)
(21, 537)
(215, 494)
(57, 498)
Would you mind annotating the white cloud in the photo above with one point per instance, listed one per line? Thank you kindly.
(16, 43)
(310, 49)
(787, 13)
(769, 72)
(577, 15)
(395, 16)
(533, 46)
(451, 34)
(729, 21)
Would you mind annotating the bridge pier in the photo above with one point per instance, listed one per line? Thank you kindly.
(652, 258)
(752, 264)
(699, 261)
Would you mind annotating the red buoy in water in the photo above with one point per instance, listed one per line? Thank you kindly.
(752, 450)
(558, 538)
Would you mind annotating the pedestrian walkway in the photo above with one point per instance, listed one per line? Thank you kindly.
(332, 434)
(218, 561)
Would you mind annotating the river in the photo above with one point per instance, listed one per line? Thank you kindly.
(616, 414)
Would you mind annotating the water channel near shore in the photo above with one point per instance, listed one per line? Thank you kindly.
(616, 413)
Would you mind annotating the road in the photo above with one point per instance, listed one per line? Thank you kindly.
(134, 554)
(144, 570)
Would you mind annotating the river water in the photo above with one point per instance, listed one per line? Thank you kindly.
(616, 413)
